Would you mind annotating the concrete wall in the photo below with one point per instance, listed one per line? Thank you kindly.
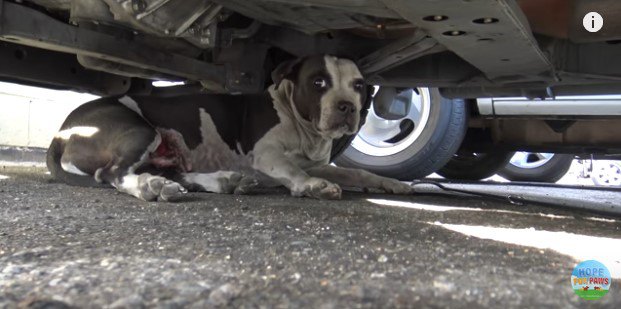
(30, 116)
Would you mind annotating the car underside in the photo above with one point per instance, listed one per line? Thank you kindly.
(468, 49)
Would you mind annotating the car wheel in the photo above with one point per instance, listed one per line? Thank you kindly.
(606, 173)
(474, 166)
(411, 147)
(537, 167)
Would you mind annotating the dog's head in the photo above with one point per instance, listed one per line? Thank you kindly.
(328, 91)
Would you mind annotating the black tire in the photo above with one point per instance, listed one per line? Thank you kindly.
(440, 139)
(469, 166)
(550, 171)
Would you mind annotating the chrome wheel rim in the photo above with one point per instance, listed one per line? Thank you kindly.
(607, 173)
(375, 136)
(528, 160)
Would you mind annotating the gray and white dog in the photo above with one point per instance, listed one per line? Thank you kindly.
(157, 147)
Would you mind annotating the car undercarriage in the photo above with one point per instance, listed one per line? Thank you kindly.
(469, 49)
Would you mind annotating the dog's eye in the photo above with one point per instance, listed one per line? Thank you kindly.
(359, 85)
(320, 83)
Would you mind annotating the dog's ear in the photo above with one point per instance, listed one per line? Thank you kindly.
(366, 105)
(286, 70)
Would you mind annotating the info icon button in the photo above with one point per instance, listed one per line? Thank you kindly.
(593, 22)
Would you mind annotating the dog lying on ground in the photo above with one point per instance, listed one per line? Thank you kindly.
(157, 148)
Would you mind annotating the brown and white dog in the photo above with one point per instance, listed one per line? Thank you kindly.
(157, 148)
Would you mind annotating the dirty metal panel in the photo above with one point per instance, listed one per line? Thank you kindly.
(54, 4)
(367, 7)
(492, 35)
(169, 18)
(312, 16)
(25, 26)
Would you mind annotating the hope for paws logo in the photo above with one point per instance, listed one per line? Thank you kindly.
(591, 280)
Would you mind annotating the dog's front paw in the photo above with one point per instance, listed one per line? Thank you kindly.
(246, 185)
(159, 188)
(227, 181)
(394, 186)
(318, 188)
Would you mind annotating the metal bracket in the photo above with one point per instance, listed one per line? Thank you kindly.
(244, 66)
(228, 35)
(399, 52)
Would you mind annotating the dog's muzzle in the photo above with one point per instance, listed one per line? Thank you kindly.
(348, 116)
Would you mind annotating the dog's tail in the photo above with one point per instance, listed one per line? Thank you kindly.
(54, 154)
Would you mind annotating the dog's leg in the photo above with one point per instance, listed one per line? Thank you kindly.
(271, 161)
(218, 182)
(149, 187)
(358, 178)
(247, 185)
(131, 153)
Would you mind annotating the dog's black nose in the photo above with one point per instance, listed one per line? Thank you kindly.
(346, 107)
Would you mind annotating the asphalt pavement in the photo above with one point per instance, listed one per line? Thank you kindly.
(65, 247)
